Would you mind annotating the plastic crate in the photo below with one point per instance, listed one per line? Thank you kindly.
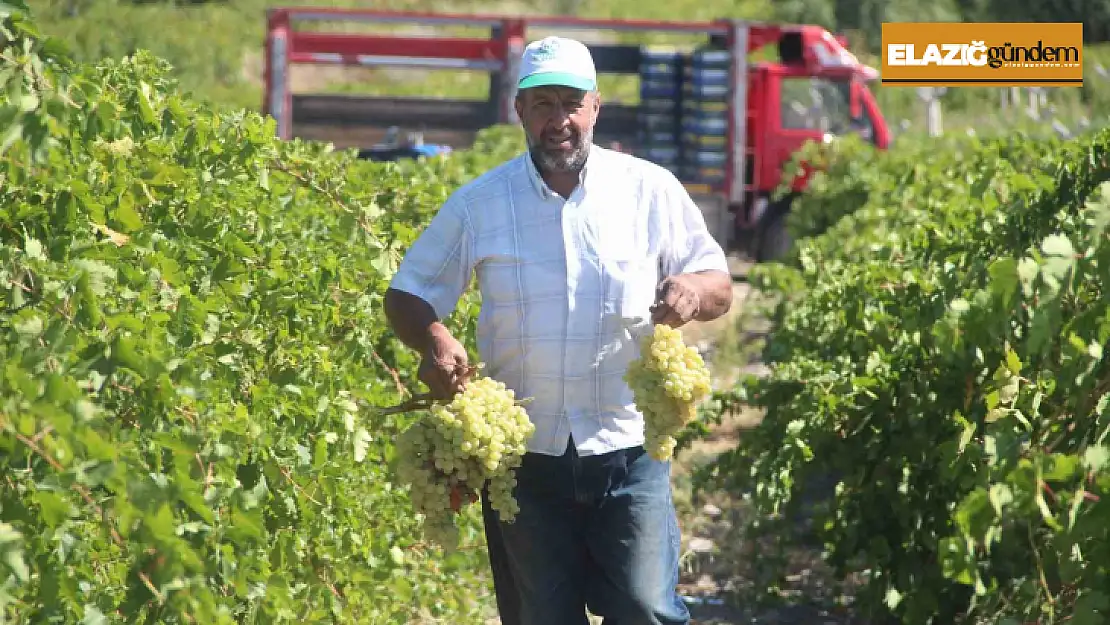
(705, 124)
(703, 175)
(711, 57)
(703, 159)
(670, 91)
(707, 77)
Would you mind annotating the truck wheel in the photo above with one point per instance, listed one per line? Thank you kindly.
(774, 240)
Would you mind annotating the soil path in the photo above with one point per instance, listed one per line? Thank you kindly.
(724, 581)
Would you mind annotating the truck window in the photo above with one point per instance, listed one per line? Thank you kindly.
(812, 103)
(821, 104)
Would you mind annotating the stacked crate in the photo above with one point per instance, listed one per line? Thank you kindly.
(661, 80)
(704, 116)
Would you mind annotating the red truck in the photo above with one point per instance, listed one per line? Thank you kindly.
(722, 121)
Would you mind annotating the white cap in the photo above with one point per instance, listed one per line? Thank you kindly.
(557, 61)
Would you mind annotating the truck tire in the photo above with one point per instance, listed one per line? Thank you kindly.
(774, 241)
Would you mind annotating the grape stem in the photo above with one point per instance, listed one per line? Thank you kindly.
(424, 401)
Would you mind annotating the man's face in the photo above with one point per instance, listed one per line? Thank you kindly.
(559, 125)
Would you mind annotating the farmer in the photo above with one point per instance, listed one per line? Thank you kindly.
(573, 245)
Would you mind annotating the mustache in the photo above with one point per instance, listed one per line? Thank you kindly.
(573, 135)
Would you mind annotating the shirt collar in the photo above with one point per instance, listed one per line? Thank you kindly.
(537, 181)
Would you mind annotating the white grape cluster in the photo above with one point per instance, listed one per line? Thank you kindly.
(479, 437)
(668, 381)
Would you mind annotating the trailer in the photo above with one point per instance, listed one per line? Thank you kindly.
(724, 123)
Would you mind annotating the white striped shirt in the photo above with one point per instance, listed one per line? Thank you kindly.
(561, 281)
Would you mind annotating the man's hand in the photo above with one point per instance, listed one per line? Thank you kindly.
(677, 301)
(444, 367)
(457, 494)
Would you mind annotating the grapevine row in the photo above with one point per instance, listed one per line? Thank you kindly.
(939, 352)
(191, 342)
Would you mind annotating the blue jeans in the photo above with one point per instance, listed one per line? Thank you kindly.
(596, 531)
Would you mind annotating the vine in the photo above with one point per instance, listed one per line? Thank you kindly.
(939, 350)
(192, 342)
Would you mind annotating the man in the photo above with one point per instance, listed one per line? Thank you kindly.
(572, 244)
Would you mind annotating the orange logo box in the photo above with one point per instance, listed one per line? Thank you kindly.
(970, 54)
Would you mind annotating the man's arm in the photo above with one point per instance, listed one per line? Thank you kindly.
(714, 289)
(413, 320)
(426, 289)
(697, 281)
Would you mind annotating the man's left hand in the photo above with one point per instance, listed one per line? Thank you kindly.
(677, 301)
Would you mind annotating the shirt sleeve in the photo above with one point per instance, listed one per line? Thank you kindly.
(438, 265)
(691, 247)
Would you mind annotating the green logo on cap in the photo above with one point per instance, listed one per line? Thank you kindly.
(547, 50)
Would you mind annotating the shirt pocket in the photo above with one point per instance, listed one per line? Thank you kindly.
(630, 277)
(502, 313)
(635, 280)
(498, 270)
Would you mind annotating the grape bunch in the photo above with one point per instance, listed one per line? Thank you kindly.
(480, 436)
(668, 381)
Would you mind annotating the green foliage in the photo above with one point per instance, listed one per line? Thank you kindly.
(190, 337)
(848, 173)
(215, 49)
(867, 16)
(939, 350)
(1093, 14)
(112, 29)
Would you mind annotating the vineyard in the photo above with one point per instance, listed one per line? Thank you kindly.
(192, 345)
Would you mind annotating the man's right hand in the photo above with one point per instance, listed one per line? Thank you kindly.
(444, 367)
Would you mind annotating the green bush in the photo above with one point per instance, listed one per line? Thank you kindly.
(938, 350)
(191, 342)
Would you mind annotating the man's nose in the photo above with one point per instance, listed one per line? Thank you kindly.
(560, 116)
(559, 120)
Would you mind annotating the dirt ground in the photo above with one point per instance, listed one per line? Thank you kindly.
(721, 578)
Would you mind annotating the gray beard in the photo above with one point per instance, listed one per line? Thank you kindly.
(559, 163)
